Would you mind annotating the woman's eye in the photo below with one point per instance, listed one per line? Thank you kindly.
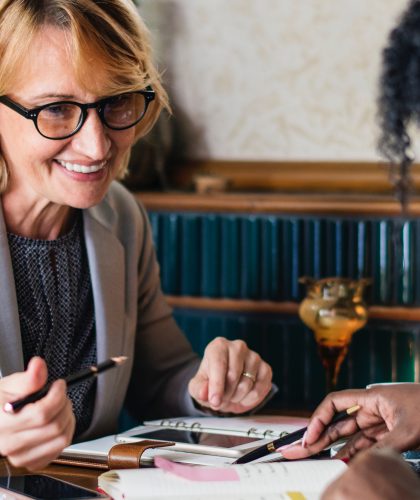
(60, 111)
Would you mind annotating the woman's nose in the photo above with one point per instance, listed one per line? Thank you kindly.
(92, 139)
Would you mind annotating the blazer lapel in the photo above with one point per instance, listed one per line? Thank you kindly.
(107, 269)
(11, 355)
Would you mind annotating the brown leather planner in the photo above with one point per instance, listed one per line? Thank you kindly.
(120, 456)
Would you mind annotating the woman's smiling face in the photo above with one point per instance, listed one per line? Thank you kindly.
(74, 172)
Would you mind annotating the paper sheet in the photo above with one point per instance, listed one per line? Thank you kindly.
(261, 479)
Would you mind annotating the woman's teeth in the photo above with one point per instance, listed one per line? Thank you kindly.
(82, 169)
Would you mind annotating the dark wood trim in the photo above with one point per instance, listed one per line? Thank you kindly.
(289, 308)
(315, 204)
(291, 176)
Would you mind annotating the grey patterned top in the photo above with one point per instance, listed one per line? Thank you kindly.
(56, 314)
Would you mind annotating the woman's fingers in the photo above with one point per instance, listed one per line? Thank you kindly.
(231, 377)
(261, 388)
(38, 453)
(248, 376)
(37, 433)
(24, 383)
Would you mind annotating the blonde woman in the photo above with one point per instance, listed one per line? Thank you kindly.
(80, 282)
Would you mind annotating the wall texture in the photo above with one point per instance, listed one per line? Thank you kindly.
(273, 79)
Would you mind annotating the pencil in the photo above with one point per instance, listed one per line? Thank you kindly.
(71, 381)
(271, 447)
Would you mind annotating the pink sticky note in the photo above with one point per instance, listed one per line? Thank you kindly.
(197, 473)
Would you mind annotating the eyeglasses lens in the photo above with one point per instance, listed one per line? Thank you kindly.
(124, 110)
(60, 120)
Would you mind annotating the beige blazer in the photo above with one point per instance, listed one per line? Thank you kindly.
(132, 317)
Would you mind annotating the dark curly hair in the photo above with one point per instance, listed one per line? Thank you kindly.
(399, 100)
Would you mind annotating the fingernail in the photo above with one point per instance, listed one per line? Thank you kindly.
(215, 400)
(303, 444)
(285, 447)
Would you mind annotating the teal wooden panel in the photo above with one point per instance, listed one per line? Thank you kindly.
(313, 251)
(211, 256)
(405, 355)
(360, 253)
(416, 261)
(190, 249)
(381, 264)
(334, 248)
(231, 254)
(381, 352)
(170, 253)
(270, 259)
(250, 258)
(262, 257)
(405, 285)
(292, 246)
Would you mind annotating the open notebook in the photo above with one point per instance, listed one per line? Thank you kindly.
(301, 480)
(257, 426)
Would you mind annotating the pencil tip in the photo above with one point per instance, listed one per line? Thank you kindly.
(120, 359)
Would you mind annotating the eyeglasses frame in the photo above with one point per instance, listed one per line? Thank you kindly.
(32, 114)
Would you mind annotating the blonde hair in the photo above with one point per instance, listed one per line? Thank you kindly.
(109, 35)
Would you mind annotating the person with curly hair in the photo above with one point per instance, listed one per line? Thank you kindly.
(399, 100)
(387, 422)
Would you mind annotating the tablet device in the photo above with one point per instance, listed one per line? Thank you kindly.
(222, 445)
(43, 487)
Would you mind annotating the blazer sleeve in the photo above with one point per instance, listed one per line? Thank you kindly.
(164, 361)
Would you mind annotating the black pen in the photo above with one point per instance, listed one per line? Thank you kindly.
(71, 380)
(271, 447)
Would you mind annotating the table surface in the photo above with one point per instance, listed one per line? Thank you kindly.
(88, 478)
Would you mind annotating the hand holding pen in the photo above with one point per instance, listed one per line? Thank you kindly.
(37, 433)
(388, 417)
(283, 442)
(71, 380)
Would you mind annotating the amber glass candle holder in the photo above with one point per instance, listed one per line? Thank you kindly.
(333, 309)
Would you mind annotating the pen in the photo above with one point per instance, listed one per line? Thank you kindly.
(71, 380)
(271, 447)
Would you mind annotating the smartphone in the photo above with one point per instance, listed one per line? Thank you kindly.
(222, 445)
(43, 487)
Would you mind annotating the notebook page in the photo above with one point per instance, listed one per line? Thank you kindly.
(255, 425)
(311, 476)
(96, 447)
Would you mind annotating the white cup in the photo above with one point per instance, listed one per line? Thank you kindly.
(369, 386)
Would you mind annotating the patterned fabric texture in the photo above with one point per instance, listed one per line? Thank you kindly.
(55, 301)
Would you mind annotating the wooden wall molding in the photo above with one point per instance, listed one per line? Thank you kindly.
(291, 176)
(315, 204)
(288, 308)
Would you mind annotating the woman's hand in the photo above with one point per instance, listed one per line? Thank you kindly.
(231, 377)
(389, 416)
(36, 434)
(375, 475)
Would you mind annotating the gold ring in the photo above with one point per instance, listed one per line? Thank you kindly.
(249, 375)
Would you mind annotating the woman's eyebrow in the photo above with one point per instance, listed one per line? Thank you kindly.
(53, 96)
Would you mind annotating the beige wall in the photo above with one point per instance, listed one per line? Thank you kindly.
(273, 79)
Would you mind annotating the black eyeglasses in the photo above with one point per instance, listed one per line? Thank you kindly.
(62, 119)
